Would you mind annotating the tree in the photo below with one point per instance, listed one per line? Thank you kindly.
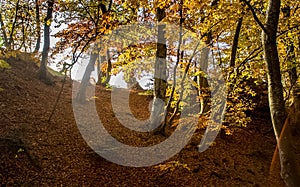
(202, 79)
(160, 72)
(288, 54)
(289, 170)
(38, 26)
(42, 73)
(108, 69)
(179, 58)
(81, 95)
(3, 31)
(19, 25)
(11, 40)
(235, 42)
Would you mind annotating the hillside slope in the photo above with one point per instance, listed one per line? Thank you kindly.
(35, 152)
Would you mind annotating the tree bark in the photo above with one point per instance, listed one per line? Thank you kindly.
(160, 73)
(101, 59)
(235, 42)
(202, 81)
(109, 67)
(3, 31)
(293, 75)
(42, 73)
(179, 57)
(99, 69)
(38, 26)
(289, 171)
(81, 95)
(11, 39)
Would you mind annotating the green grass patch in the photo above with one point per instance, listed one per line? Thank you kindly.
(4, 65)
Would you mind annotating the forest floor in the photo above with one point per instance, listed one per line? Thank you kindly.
(35, 152)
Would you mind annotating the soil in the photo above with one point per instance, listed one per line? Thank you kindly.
(38, 152)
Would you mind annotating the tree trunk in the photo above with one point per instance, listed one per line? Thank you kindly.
(99, 69)
(289, 171)
(295, 120)
(160, 73)
(81, 95)
(292, 65)
(42, 73)
(202, 79)
(38, 26)
(235, 42)
(100, 60)
(3, 31)
(178, 59)
(11, 39)
(109, 67)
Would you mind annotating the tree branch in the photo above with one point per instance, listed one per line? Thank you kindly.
(255, 16)
(235, 42)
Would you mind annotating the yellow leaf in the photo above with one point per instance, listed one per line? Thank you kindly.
(48, 22)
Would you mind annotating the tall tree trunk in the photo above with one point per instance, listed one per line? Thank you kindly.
(291, 60)
(235, 42)
(185, 74)
(38, 26)
(101, 59)
(109, 67)
(11, 39)
(295, 120)
(99, 69)
(202, 79)
(160, 73)
(3, 31)
(289, 171)
(178, 59)
(42, 73)
(23, 37)
(81, 95)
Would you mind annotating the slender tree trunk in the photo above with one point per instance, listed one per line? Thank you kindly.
(236, 42)
(3, 31)
(185, 74)
(38, 26)
(81, 95)
(295, 120)
(42, 74)
(202, 80)
(291, 60)
(204, 91)
(100, 73)
(178, 59)
(289, 171)
(109, 67)
(100, 60)
(23, 37)
(11, 39)
(160, 73)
